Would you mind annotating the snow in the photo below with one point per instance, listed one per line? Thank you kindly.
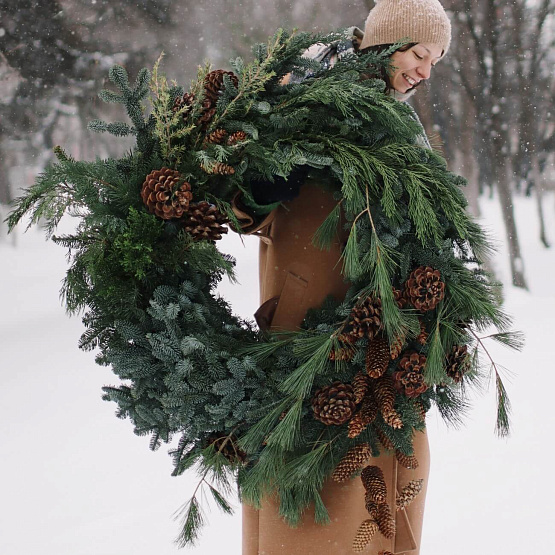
(76, 481)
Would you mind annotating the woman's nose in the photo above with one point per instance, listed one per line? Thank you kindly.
(424, 70)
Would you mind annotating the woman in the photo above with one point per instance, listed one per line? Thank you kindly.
(295, 276)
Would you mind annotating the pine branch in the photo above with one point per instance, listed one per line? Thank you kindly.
(502, 426)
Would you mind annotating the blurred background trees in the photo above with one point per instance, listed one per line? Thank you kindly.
(489, 105)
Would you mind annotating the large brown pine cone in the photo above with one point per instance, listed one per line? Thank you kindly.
(377, 357)
(334, 404)
(457, 363)
(396, 346)
(408, 461)
(385, 520)
(424, 288)
(365, 533)
(353, 461)
(366, 318)
(384, 392)
(360, 386)
(410, 378)
(408, 493)
(205, 222)
(166, 194)
(374, 484)
(365, 416)
(384, 440)
(227, 446)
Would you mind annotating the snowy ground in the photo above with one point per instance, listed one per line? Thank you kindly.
(74, 480)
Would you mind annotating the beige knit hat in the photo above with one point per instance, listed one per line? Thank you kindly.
(415, 20)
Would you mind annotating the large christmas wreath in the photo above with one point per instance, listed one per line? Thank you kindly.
(274, 412)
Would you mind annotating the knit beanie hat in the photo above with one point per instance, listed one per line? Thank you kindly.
(391, 21)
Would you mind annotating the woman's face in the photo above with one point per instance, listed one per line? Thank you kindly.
(413, 65)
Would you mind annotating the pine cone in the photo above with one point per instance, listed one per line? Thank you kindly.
(184, 101)
(371, 506)
(377, 357)
(399, 297)
(421, 410)
(424, 288)
(422, 337)
(213, 88)
(346, 351)
(408, 461)
(366, 415)
(396, 347)
(385, 520)
(214, 84)
(353, 461)
(457, 363)
(165, 194)
(227, 446)
(364, 535)
(334, 404)
(374, 484)
(205, 222)
(237, 137)
(360, 386)
(384, 392)
(410, 379)
(355, 426)
(208, 112)
(384, 440)
(214, 138)
(219, 168)
(408, 493)
(366, 318)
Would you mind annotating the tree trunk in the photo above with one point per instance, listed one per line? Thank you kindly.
(538, 184)
(506, 199)
(5, 192)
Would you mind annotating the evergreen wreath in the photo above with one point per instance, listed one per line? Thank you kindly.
(273, 412)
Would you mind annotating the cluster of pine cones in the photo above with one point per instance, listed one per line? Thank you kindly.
(169, 197)
(373, 391)
(376, 496)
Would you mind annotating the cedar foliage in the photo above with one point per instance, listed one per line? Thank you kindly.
(146, 288)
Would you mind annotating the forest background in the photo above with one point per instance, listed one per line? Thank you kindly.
(489, 106)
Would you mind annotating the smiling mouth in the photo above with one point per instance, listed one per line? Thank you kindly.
(410, 80)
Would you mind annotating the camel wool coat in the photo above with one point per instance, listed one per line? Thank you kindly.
(296, 276)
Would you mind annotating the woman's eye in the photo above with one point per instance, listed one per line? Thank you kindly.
(418, 57)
